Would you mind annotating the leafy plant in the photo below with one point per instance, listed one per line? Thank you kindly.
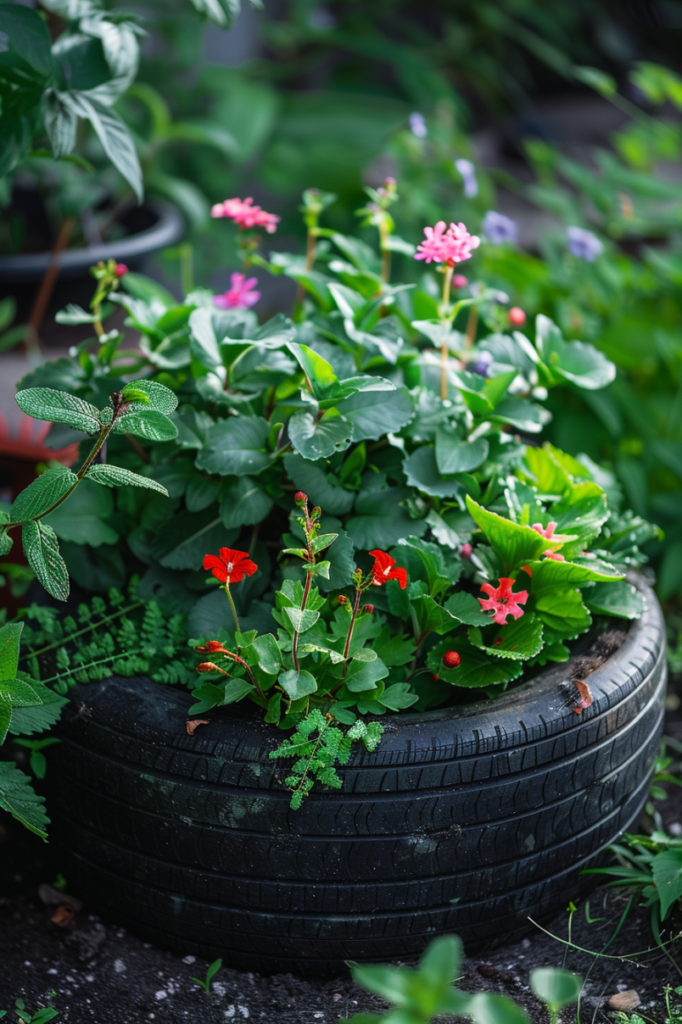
(651, 865)
(420, 995)
(213, 969)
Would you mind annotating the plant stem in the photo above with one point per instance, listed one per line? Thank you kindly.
(310, 254)
(444, 346)
(351, 626)
(304, 601)
(385, 253)
(234, 610)
(472, 324)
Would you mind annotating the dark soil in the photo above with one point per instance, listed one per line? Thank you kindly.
(99, 973)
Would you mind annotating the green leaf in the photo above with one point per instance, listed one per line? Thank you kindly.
(319, 439)
(6, 541)
(148, 423)
(28, 35)
(5, 717)
(549, 475)
(439, 965)
(59, 407)
(666, 869)
(467, 609)
(302, 619)
(476, 667)
(269, 654)
(398, 696)
(113, 135)
(548, 574)
(321, 487)
(515, 543)
(18, 798)
(521, 639)
(222, 12)
(35, 718)
(563, 612)
(83, 518)
(236, 446)
(42, 494)
(373, 414)
(574, 361)
(319, 372)
(19, 693)
(10, 640)
(380, 520)
(244, 504)
(42, 551)
(236, 689)
(73, 314)
(421, 470)
(596, 79)
(581, 512)
(456, 456)
(158, 396)
(297, 684)
(620, 599)
(555, 987)
(115, 476)
(364, 675)
(489, 1008)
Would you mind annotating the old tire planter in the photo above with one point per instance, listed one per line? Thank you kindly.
(464, 821)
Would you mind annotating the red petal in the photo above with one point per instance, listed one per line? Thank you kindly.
(400, 575)
(236, 576)
(212, 562)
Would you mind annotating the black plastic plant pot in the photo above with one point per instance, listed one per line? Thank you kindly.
(148, 228)
(466, 820)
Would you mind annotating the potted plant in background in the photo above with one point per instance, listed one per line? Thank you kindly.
(405, 572)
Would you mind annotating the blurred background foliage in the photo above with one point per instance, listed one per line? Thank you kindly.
(304, 94)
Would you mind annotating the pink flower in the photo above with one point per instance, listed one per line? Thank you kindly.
(546, 532)
(246, 215)
(502, 601)
(447, 246)
(554, 555)
(239, 295)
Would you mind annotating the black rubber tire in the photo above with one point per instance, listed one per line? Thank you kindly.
(465, 820)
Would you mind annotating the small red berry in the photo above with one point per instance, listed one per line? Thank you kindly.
(434, 675)
(465, 550)
(300, 498)
(451, 659)
(121, 270)
(367, 609)
(517, 317)
(460, 281)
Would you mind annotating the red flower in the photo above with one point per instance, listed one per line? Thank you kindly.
(503, 601)
(231, 567)
(383, 570)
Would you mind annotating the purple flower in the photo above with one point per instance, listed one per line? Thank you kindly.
(468, 172)
(418, 125)
(583, 244)
(481, 364)
(500, 229)
(240, 295)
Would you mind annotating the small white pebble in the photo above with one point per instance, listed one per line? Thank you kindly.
(188, 959)
(69, 978)
(89, 977)
(27, 963)
(230, 1011)
(120, 967)
(218, 988)
(146, 945)
(318, 1015)
(161, 994)
(336, 997)
(244, 1010)
(675, 828)
(526, 943)
(53, 970)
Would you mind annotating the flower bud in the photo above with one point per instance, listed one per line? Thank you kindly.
(214, 645)
(465, 551)
(367, 609)
(316, 512)
(342, 599)
(300, 498)
(207, 666)
(451, 659)
(517, 317)
(460, 281)
(120, 270)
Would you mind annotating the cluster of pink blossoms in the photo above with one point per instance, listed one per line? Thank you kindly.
(448, 245)
(240, 294)
(246, 215)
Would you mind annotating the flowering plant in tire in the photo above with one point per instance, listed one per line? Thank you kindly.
(363, 485)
